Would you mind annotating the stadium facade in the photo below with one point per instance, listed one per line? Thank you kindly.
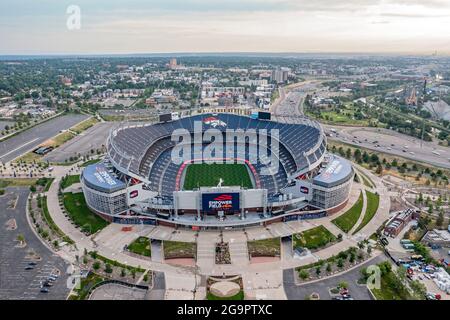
(141, 180)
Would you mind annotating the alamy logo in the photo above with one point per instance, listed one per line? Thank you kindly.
(258, 147)
(74, 18)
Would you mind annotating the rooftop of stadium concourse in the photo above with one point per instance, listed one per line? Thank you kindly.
(214, 221)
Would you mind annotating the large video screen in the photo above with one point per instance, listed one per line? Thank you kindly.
(212, 202)
(165, 117)
(264, 115)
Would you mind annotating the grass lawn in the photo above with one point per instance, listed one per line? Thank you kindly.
(86, 285)
(30, 157)
(346, 221)
(373, 201)
(141, 246)
(366, 181)
(84, 125)
(16, 182)
(313, 238)
(89, 162)
(238, 296)
(208, 175)
(264, 248)
(60, 139)
(50, 223)
(78, 211)
(177, 249)
(344, 117)
(69, 180)
(48, 184)
(391, 289)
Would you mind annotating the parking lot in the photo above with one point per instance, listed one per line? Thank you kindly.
(15, 281)
(26, 141)
(92, 139)
(358, 292)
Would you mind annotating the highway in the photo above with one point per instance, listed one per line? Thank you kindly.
(292, 98)
(391, 142)
(27, 140)
(377, 139)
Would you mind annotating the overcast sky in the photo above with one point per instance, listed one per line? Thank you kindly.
(149, 26)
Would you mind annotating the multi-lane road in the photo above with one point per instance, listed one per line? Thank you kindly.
(391, 142)
(292, 97)
(387, 141)
(29, 139)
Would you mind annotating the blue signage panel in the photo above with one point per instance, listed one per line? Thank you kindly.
(220, 201)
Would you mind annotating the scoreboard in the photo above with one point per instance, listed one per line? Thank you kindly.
(227, 202)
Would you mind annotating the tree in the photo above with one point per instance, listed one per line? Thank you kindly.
(328, 267)
(440, 219)
(418, 288)
(343, 285)
(96, 265)
(318, 271)
(379, 169)
(303, 274)
(348, 153)
(357, 155)
(20, 238)
(365, 157)
(108, 268)
(340, 263)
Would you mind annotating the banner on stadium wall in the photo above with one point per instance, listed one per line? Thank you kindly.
(220, 201)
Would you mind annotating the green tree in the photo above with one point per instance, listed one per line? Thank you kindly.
(108, 268)
(303, 274)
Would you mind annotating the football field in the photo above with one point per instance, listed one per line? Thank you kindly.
(209, 175)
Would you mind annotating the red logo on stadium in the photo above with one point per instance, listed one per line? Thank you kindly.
(304, 190)
(214, 122)
(134, 194)
(224, 197)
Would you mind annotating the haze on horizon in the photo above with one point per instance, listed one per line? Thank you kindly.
(163, 26)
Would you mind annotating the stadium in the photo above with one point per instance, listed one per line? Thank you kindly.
(217, 170)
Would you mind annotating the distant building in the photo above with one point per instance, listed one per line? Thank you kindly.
(437, 237)
(396, 225)
(280, 75)
(173, 63)
(65, 81)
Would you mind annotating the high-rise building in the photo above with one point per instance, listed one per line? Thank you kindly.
(173, 63)
(280, 75)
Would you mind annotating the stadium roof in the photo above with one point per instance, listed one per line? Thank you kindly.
(336, 172)
(97, 177)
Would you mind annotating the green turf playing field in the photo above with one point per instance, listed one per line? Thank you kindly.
(209, 175)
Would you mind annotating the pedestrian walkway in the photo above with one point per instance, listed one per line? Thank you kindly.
(206, 246)
(157, 255)
(239, 252)
(361, 216)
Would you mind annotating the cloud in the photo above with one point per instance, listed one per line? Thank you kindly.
(226, 25)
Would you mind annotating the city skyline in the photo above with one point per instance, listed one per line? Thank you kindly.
(277, 26)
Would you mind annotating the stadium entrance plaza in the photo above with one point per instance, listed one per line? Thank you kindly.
(261, 280)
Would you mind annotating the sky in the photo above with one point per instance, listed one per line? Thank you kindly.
(171, 26)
